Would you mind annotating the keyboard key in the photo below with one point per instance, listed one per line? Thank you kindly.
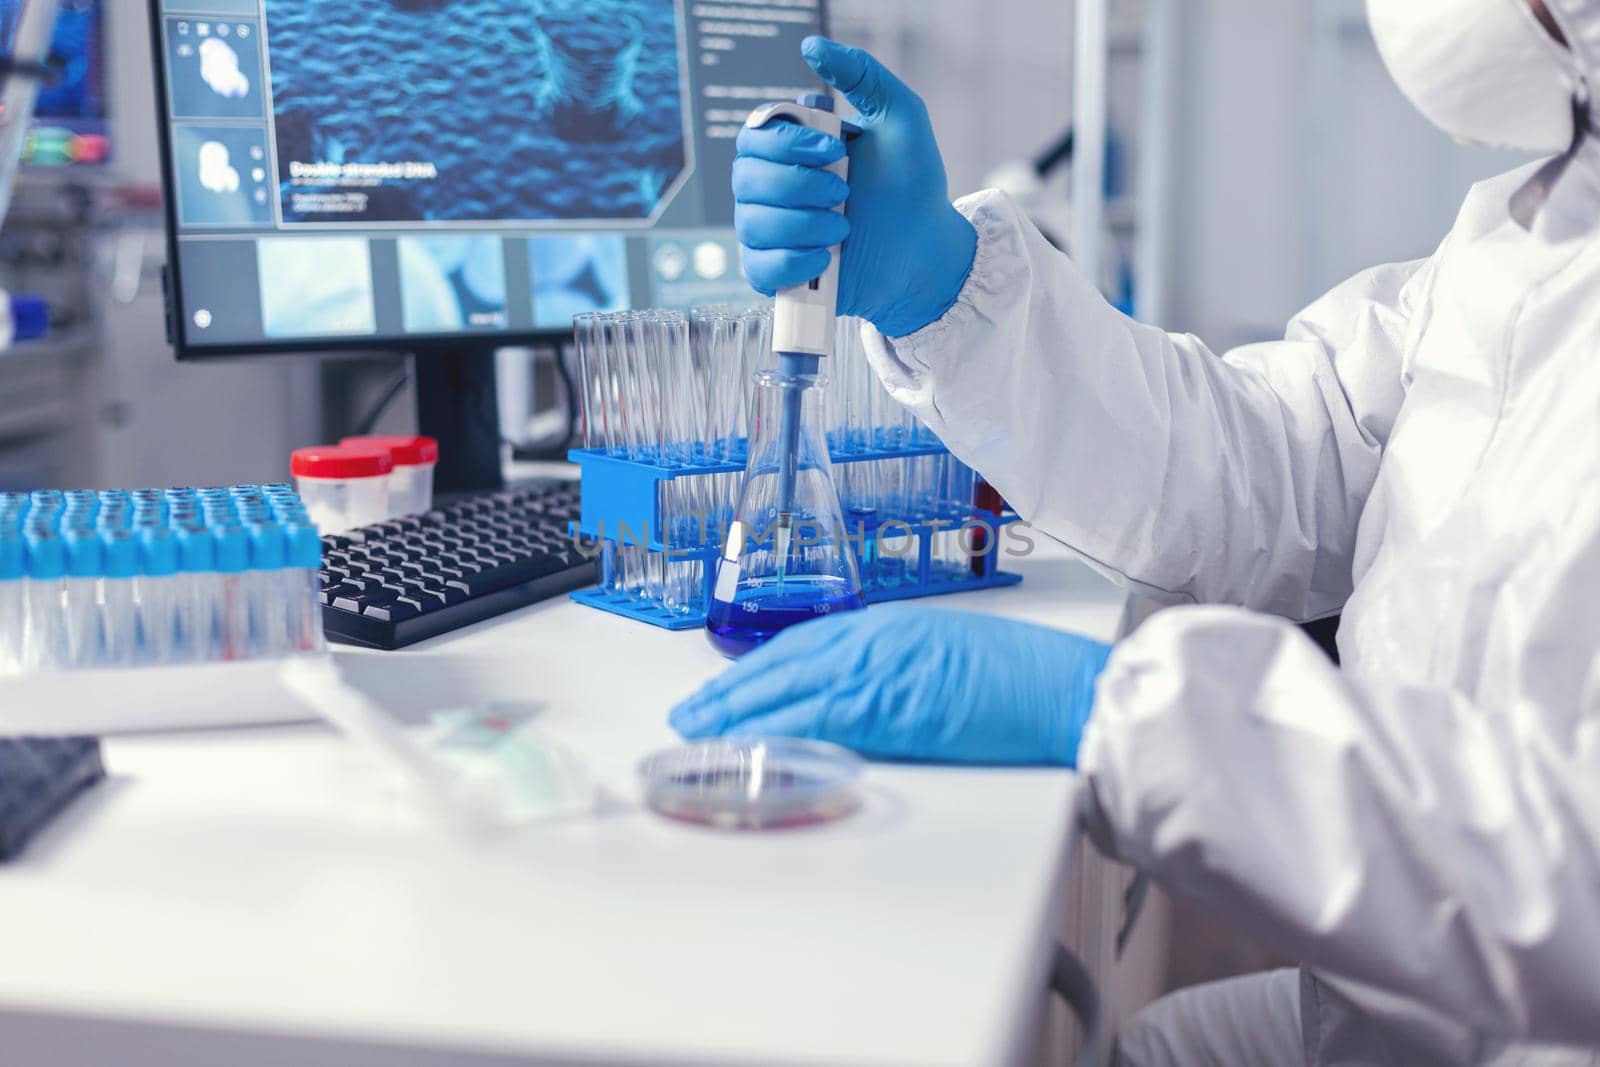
(397, 610)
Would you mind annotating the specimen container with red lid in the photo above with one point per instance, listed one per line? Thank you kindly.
(343, 486)
(411, 486)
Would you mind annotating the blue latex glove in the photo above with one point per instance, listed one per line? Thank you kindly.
(909, 683)
(908, 251)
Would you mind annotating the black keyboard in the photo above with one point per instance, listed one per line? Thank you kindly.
(395, 583)
(38, 776)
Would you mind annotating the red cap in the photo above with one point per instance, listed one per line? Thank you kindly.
(339, 461)
(406, 451)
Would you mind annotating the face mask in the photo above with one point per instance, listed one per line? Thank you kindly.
(1484, 71)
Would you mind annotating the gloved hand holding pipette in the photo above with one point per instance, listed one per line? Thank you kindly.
(911, 683)
(907, 251)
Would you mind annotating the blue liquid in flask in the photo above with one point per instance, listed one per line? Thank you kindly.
(761, 611)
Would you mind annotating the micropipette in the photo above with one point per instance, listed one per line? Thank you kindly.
(803, 315)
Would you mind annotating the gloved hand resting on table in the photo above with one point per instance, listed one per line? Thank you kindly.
(907, 252)
(910, 683)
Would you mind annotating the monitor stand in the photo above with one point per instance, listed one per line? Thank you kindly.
(457, 405)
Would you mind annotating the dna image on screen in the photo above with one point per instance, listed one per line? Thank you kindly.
(475, 111)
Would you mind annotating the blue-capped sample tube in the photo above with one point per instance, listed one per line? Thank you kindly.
(85, 568)
(268, 591)
(13, 599)
(197, 607)
(231, 593)
(44, 642)
(156, 590)
(13, 509)
(303, 580)
(119, 619)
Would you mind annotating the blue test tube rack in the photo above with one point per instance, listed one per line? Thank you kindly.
(622, 501)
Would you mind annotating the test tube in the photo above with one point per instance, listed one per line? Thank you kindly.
(836, 393)
(119, 621)
(230, 592)
(654, 403)
(13, 598)
(609, 371)
(269, 592)
(303, 577)
(720, 360)
(197, 609)
(85, 568)
(591, 378)
(683, 509)
(710, 330)
(44, 644)
(625, 427)
(730, 365)
(156, 590)
(755, 355)
(927, 486)
(623, 419)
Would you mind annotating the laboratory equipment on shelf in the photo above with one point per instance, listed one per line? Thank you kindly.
(411, 482)
(666, 401)
(343, 486)
(767, 784)
(788, 556)
(22, 318)
(148, 577)
(30, 30)
(397, 582)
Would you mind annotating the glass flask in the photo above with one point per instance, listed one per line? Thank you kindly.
(783, 562)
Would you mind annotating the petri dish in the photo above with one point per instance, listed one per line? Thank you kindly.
(753, 783)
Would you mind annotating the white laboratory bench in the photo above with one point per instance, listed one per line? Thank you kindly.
(255, 896)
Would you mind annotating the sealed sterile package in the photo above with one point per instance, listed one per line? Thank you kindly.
(481, 767)
(496, 756)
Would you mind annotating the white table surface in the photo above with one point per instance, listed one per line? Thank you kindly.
(256, 896)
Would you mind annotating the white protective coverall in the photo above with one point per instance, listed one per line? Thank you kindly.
(1422, 452)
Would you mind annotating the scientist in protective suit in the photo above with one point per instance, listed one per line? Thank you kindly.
(1421, 829)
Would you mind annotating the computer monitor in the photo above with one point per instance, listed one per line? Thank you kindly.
(69, 120)
(448, 176)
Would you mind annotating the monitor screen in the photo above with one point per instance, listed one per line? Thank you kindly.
(69, 120)
(416, 173)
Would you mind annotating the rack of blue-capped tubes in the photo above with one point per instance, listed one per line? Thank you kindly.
(665, 410)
